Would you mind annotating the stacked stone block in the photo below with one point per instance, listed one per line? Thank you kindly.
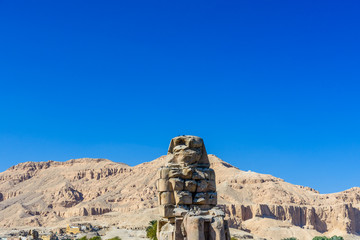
(187, 194)
(186, 187)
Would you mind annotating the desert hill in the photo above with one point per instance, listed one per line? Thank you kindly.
(81, 190)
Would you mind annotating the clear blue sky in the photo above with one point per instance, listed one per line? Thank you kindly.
(271, 86)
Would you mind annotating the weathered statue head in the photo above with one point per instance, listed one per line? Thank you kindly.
(187, 151)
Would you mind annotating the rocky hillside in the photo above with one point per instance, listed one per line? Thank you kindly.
(55, 193)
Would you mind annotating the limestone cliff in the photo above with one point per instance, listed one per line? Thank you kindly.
(52, 193)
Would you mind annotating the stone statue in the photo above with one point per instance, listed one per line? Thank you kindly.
(187, 194)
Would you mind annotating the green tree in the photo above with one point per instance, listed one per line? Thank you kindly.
(326, 238)
(83, 238)
(291, 238)
(151, 230)
(336, 238)
(95, 238)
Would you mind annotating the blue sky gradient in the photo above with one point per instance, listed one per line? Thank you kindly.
(271, 86)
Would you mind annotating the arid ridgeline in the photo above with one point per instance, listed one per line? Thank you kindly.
(53, 193)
